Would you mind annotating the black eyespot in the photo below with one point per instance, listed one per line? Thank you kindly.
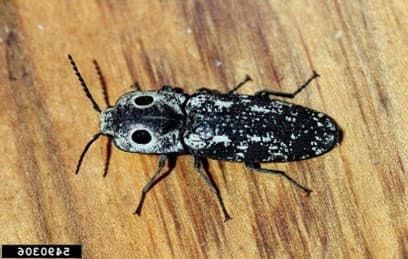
(141, 136)
(144, 100)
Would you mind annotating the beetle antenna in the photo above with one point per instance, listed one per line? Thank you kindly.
(108, 157)
(83, 84)
(102, 82)
(87, 146)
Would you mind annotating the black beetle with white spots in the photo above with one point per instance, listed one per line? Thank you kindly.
(252, 129)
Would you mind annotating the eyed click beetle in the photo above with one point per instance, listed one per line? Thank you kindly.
(208, 124)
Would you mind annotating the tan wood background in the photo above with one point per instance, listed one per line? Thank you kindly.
(359, 207)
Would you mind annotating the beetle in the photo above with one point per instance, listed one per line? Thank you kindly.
(208, 124)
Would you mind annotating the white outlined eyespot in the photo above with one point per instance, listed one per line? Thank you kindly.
(143, 101)
(142, 136)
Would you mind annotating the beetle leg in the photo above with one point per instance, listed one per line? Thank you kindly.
(153, 181)
(268, 92)
(257, 167)
(210, 182)
(136, 86)
(236, 87)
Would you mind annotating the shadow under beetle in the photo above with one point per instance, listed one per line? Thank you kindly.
(212, 125)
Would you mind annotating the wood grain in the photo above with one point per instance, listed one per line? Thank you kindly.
(359, 207)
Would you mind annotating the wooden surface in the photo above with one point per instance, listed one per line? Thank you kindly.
(359, 206)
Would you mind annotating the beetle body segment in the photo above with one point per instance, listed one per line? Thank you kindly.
(254, 129)
(146, 121)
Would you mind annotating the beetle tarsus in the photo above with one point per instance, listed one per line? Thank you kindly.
(267, 92)
(256, 167)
